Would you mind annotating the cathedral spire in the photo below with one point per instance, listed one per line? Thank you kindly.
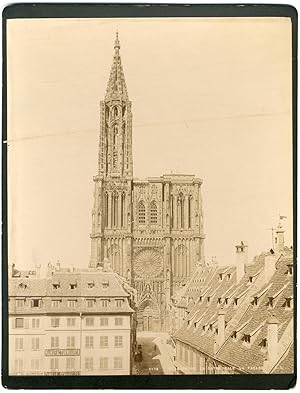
(116, 88)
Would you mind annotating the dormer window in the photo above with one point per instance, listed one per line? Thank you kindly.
(246, 338)
(73, 285)
(119, 302)
(35, 303)
(22, 285)
(255, 301)
(235, 302)
(200, 299)
(263, 344)
(270, 303)
(56, 285)
(234, 335)
(91, 285)
(228, 276)
(290, 269)
(203, 328)
(219, 300)
(208, 299)
(220, 277)
(105, 284)
(250, 280)
(226, 301)
(288, 304)
(104, 302)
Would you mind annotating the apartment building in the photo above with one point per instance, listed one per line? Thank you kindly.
(72, 322)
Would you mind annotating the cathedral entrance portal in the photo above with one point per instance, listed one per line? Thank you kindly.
(148, 317)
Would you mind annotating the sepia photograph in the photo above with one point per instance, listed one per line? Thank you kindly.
(150, 196)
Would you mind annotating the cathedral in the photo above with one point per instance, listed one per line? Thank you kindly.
(151, 230)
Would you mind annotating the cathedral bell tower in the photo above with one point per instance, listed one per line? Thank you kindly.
(112, 211)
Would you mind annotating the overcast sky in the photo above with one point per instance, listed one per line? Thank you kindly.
(211, 97)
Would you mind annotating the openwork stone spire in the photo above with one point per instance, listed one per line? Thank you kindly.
(116, 88)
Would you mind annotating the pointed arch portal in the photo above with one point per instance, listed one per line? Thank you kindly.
(148, 316)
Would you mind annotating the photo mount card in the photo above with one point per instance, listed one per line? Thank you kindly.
(149, 196)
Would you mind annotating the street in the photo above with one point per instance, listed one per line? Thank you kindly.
(157, 354)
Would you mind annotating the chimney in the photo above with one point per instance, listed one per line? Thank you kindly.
(241, 259)
(279, 238)
(57, 265)
(49, 269)
(270, 266)
(272, 339)
(221, 328)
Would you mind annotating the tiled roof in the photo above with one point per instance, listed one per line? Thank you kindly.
(63, 285)
(244, 317)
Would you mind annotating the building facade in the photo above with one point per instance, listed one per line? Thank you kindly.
(238, 319)
(151, 230)
(70, 323)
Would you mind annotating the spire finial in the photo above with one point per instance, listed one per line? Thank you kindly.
(117, 42)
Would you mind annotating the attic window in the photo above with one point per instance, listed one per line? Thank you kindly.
(250, 280)
(22, 285)
(234, 335)
(200, 299)
(263, 343)
(228, 276)
(270, 303)
(91, 285)
(221, 277)
(188, 322)
(56, 285)
(203, 327)
(288, 302)
(226, 301)
(210, 326)
(290, 269)
(246, 338)
(195, 325)
(73, 285)
(255, 301)
(219, 300)
(235, 302)
(208, 299)
(105, 284)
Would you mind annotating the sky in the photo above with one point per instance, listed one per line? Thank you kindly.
(210, 97)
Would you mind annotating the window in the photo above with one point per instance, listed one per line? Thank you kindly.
(208, 299)
(35, 364)
(118, 321)
(114, 208)
(263, 344)
(246, 338)
(270, 303)
(54, 322)
(20, 303)
(141, 213)
(54, 342)
(89, 321)
(153, 213)
(226, 301)
(234, 335)
(228, 277)
(180, 214)
(119, 302)
(250, 279)
(104, 303)
(219, 300)
(190, 212)
(56, 285)
(103, 321)
(106, 209)
(54, 364)
(103, 341)
(118, 341)
(19, 322)
(118, 362)
(221, 277)
(255, 301)
(290, 269)
(70, 364)
(89, 342)
(122, 210)
(35, 303)
(71, 322)
(89, 363)
(72, 303)
(19, 344)
(91, 285)
(73, 285)
(105, 284)
(70, 342)
(90, 302)
(35, 323)
(103, 363)
(19, 365)
(235, 302)
(288, 303)
(55, 303)
(35, 343)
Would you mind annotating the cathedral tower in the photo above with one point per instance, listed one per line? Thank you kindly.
(111, 215)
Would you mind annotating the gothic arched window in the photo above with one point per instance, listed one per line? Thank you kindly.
(153, 213)
(106, 209)
(115, 145)
(180, 216)
(114, 209)
(141, 213)
(116, 111)
(172, 211)
(190, 212)
(123, 210)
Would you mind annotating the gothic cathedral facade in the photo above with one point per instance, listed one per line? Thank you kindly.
(151, 230)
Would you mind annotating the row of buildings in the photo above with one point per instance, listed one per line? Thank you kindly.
(71, 322)
(237, 319)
